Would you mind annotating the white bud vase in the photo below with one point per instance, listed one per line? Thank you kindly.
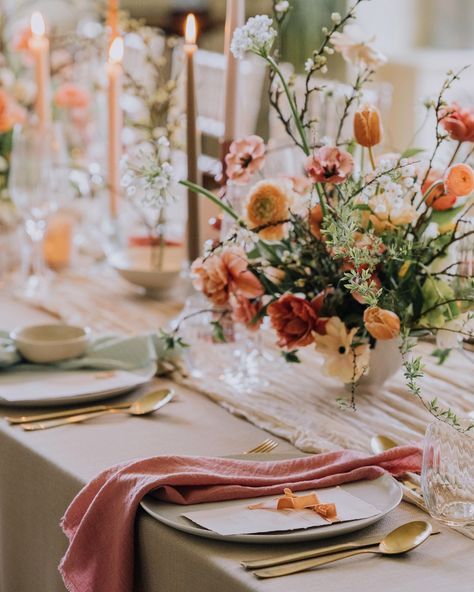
(385, 361)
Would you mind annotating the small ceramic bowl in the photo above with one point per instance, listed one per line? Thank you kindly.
(45, 344)
(134, 265)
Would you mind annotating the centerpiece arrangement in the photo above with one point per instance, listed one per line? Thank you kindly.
(361, 250)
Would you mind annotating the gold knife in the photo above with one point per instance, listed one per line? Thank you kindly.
(66, 413)
(328, 550)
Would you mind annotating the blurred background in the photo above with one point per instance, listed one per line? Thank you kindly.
(422, 39)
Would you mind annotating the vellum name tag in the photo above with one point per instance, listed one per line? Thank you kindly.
(240, 519)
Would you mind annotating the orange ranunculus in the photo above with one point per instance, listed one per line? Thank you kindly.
(10, 112)
(437, 198)
(459, 180)
(218, 276)
(367, 126)
(267, 205)
(315, 219)
(381, 323)
(71, 96)
(294, 319)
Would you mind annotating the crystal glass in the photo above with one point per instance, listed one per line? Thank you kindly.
(31, 185)
(447, 476)
(237, 362)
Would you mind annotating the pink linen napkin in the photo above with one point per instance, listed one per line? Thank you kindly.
(99, 522)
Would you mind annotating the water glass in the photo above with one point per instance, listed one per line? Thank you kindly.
(32, 188)
(447, 476)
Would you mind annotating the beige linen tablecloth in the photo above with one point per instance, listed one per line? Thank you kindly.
(41, 472)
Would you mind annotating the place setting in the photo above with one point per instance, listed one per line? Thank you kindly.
(236, 296)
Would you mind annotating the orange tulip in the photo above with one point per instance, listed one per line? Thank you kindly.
(381, 323)
(367, 126)
(459, 180)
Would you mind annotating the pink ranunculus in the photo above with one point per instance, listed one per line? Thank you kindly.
(71, 96)
(458, 122)
(245, 310)
(220, 275)
(294, 319)
(329, 165)
(245, 157)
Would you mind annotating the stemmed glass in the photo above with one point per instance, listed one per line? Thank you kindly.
(31, 188)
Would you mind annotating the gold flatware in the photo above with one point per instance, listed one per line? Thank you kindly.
(401, 540)
(149, 403)
(411, 490)
(320, 552)
(264, 447)
(66, 413)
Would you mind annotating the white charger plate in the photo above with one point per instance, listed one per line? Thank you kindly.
(50, 386)
(384, 493)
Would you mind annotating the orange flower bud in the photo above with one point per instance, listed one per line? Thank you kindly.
(367, 126)
(381, 323)
(459, 180)
(315, 220)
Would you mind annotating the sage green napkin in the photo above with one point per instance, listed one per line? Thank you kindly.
(109, 352)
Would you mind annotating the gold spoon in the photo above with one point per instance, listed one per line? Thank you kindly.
(149, 403)
(74, 411)
(380, 444)
(401, 540)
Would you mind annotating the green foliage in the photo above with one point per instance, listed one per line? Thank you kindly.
(218, 334)
(172, 341)
(291, 356)
(441, 354)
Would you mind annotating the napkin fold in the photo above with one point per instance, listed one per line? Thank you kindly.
(110, 352)
(99, 523)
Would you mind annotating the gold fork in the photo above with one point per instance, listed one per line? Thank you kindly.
(266, 446)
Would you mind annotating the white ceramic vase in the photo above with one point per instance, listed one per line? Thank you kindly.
(385, 361)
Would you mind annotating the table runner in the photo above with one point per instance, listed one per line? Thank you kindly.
(295, 402)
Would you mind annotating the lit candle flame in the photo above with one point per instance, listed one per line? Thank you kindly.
(116, 51)
(190, 29)
(37, 24)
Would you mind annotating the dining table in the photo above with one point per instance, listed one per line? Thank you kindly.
(42, 471)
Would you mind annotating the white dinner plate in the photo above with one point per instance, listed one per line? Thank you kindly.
(50, 386)
(384, 493)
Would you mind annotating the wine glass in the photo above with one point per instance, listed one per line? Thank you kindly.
(31, 188)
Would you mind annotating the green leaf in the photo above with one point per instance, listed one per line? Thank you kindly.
(291, 356)
(218, 332)
(441, 354)
(445, 216)
(412, 152)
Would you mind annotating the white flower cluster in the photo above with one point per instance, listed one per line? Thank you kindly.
(153, 182)
(257, 36)
(282, 6)
(390, 191)
(316, 63)
(395, 176)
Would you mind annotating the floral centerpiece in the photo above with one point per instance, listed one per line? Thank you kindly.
(362, 248)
